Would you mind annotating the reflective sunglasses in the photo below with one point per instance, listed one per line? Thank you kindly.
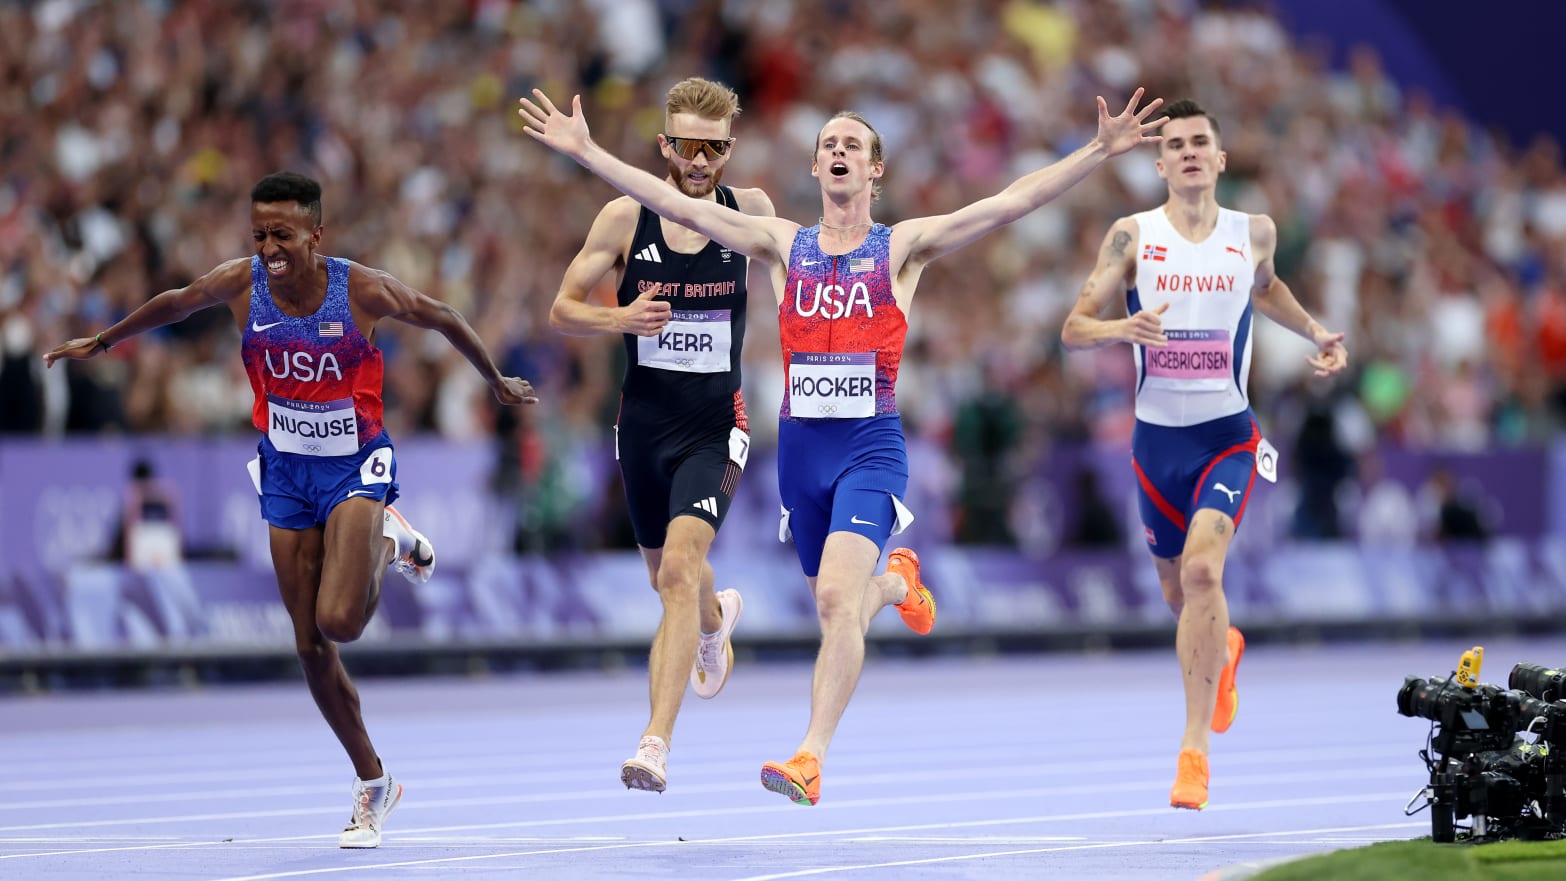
(687, 148)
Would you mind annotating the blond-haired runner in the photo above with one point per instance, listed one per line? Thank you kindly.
(682, 437)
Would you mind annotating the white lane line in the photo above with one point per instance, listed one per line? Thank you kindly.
(1095, 815)
(408, 835)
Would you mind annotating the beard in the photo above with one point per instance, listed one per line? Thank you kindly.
(698, 192)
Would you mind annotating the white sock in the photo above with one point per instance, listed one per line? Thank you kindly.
(380, 781)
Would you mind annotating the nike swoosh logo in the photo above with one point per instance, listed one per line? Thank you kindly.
(362, 492)
(257, 328)
(810, 780)
(808, 262)
(855, 519)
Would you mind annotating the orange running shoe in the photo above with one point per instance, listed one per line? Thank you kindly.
(1228, 696)
(1190, 786)
(799, 778)
(918, 608)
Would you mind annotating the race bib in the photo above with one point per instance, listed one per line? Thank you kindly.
(831, 385)
(1192, 354)
(739, 446)
(1267, 461)
(692, 342)
(312, 428)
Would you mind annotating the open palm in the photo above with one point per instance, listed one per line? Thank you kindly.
(545, 123)
(1120, 133)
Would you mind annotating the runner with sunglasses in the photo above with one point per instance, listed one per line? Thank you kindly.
(844, 288)
(682, 437)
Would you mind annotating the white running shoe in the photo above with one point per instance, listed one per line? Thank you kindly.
(715, 655)
(647, 770)
(371, 806)
(415, 555)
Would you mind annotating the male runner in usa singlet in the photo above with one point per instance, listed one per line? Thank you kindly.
(326, 473)
(1190, 273)
(844, 289)
(682, 437)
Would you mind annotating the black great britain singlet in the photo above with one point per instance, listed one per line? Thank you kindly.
(690, 372)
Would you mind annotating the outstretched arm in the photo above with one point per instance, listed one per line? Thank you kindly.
(382, 295)
(1274, 300)
(1084, 329)
(222, 284)
(931, 237)
(761, 238)
(602, 254)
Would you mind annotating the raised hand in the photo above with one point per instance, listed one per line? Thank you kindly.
(1331, 356)
(77, 350)
(513, 390)
(1147, 328)
(646, 316)
(1120, 133)
(546, 124)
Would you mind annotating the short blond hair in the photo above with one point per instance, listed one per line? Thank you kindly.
(703, 98)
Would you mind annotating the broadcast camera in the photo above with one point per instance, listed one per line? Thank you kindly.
(1480, 766)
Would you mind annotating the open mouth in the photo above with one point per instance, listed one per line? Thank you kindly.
(276, 266)
(839, 169)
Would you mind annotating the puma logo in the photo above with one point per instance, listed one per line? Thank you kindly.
(1230, 249)
(1231, 493)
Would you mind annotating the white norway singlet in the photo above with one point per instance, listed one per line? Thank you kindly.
(1201, 375)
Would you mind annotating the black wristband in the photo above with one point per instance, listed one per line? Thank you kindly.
(103, 342)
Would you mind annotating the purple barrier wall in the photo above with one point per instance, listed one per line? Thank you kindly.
(604, 597)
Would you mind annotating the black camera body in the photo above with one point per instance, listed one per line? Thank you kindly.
(1480, 766)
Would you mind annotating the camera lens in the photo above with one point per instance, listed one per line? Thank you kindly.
(1418, 697)
(1542, 682)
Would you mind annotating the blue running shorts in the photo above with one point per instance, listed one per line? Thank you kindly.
(298, 492)
(1181, 470)
(841, 475)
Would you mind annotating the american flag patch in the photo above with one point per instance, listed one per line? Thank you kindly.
(1155, 253)
(861, 264)
(331, 328)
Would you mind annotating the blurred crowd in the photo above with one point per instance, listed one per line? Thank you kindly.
(131, 133)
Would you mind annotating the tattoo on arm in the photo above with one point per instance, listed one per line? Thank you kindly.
(1117, 245)
(1222, 528)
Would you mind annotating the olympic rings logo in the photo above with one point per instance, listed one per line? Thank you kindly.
(826, 409)
(682, 362)
(312, 448)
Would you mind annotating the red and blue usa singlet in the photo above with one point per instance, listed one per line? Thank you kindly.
(317, 380)
(841, 329)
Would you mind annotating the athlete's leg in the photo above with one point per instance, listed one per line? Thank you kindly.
(1201, 640)
(684, 582)
(357, 554)
(846, 600)
(297, 555)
